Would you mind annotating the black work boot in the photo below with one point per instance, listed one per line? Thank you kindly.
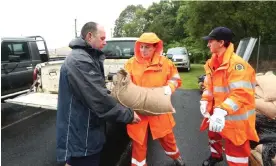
(211, 161)
(179, 162)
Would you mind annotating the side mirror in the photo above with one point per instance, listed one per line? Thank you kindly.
(14, 58)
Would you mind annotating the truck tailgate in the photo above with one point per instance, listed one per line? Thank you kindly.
(36, 99)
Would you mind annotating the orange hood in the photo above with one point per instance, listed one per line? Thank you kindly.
(150, 38)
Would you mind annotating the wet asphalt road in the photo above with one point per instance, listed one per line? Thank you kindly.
(32, 141)
(192, 144)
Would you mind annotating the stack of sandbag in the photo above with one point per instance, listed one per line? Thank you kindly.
(265, 97)
(262, 150)
(266, 94)
(265, 150)
(145, 101)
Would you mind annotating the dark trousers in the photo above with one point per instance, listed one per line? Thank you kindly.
(93, 160)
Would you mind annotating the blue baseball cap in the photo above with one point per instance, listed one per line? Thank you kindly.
(220, 33)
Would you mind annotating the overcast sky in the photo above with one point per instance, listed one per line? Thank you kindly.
(54, 19)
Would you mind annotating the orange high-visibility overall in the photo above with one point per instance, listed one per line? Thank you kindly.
(230, 83)
(160, 71)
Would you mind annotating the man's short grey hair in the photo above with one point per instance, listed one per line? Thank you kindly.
(89, 27)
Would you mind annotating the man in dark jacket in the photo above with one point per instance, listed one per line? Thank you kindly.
(83, 101)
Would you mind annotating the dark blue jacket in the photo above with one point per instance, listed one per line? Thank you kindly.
(84, 104)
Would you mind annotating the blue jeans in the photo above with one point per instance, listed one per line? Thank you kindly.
(93, 160)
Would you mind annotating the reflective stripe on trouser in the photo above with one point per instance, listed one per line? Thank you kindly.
(235, 155)
(139, 152)
(169, 145)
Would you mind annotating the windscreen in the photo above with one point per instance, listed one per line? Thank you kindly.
(119, 49)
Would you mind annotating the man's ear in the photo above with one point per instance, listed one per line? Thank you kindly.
(221, 43)
(88, 36)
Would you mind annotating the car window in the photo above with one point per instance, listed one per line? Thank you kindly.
(16, 49)
(119, 49)
(22, 50)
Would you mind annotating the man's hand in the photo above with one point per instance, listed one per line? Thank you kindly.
(203, 108)
(136, 118)
(167, 90)
(217, 120)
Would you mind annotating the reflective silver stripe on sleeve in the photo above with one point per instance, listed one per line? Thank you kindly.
(254, 84)
(241, 84)
(174, 80)
(176, 76)
(221, 89)
(207, 92)
(232, 104)
(175, 83)
(244, 116)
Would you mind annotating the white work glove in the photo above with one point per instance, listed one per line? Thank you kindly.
(203, 108)
(217, 120)
(167, 90)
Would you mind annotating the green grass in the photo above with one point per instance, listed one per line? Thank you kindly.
(189, 79)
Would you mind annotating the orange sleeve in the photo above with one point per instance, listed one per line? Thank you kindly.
(242, 88)
(127, 67)
(174, 80)
(206, 92)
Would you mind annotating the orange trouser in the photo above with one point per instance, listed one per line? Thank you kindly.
(235, 155)
(139, 152)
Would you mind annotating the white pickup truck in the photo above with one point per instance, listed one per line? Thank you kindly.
(44, 91)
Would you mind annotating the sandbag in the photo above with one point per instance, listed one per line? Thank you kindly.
(266, 131)
(145, 101)
(268, 153)
(269, 73)
(266, 108)
(267, 83)
(259, 92)
(256, 159)
(259, 148)
(259, 74)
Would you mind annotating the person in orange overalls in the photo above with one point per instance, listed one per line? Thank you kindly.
(149, 69)
(228, 102)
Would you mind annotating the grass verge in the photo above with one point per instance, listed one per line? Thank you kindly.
(189, 79)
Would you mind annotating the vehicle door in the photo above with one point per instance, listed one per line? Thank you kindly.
(17, 67)
(5, 84)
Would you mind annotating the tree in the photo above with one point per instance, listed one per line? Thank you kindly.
(184, 23)
(131, 22)
(162, 19)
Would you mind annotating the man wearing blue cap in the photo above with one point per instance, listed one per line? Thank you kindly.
(228, 103)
